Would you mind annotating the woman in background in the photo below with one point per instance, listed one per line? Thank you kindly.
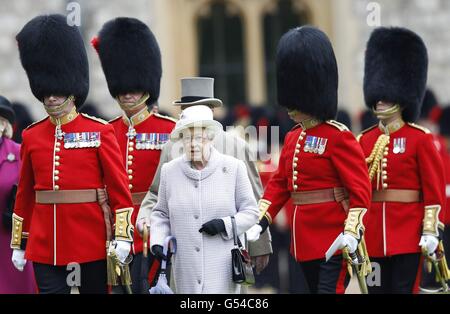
(11, 280)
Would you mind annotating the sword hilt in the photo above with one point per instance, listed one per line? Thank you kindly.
(355, 258)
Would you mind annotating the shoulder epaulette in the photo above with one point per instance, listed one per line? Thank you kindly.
(166, 117)
(365, 131)
(295, 127)
(115, 119)
(419, 127)
(34, 123)
(338, 125)
(94, 118)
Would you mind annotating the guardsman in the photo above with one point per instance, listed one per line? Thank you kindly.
(444, 131)
(131, 61)
(430, 113)
(68, 160)
(408, 198)
(321, 167)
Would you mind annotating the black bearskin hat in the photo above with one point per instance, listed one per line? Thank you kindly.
(54, 58)
(130, 57)
(396, 65)
(307, 74)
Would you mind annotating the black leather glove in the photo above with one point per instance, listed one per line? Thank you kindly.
(264, 223)
(213, 227)
(157, 251)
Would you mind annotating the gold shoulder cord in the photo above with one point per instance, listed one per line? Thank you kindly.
(373, 161)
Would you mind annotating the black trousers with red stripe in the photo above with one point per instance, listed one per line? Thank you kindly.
(326, 277)
(399, 274)
(446, 240)
(59, 279)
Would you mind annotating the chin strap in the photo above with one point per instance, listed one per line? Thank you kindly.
(386, 113)
(133, 106)
(51, 110)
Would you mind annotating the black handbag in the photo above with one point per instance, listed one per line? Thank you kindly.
(241, 263)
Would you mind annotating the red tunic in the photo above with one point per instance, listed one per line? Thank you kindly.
(342, 164)
(441, 146)
(266, 171)
(64, 233)
(142, 166)
(392, 227)
(446, 220)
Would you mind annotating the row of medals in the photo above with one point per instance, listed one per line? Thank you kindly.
(149, 145)
(146, 141)
(69, 145)
(88, 140)
(399, 145)
(317, 147)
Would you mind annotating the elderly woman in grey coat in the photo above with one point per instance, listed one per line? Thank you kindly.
(198, 194)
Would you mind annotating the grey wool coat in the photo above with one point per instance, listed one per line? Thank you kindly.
(188, 198)
(228, 144)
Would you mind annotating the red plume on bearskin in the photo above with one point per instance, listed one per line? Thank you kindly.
(94, 42)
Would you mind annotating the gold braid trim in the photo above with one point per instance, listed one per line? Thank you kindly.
(263, 206)
(376, 155)
(354, 222)
(16, 236)
(124, 227)
(431, 220)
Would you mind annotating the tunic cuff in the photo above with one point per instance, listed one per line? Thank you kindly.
(431, 223)
(18, 236)
(124, 228)
(354, 223)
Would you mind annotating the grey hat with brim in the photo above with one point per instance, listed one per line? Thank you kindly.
(212, 102)
(198, 91)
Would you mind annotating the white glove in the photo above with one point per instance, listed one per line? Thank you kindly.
(123, 249)
(429, 243)
(350, 242)
(253, 233)
(18, 259)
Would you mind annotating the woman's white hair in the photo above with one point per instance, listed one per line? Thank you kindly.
(6, 129)
(210, 132)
